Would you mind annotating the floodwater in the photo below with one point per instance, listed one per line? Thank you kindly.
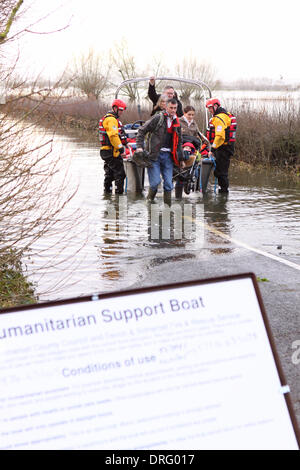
(108, 243)
(266, 101)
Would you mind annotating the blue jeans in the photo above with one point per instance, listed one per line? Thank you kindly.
(163, 166)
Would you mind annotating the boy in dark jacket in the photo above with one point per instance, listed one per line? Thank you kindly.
(163, 143)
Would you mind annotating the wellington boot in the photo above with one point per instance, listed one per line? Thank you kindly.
(167, 197)
(178, 192)
(119, 191)
(151, 194)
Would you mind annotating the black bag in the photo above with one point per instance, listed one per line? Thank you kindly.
(142, 159)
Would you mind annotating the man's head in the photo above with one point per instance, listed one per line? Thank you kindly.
(212, 105)
(169, 91)
(171, 107)
(118, 107)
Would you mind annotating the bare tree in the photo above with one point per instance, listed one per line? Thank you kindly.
(8, 12)
(158, 68)
(126, 68)
(191, 68)
(34, 188)
(89, 73)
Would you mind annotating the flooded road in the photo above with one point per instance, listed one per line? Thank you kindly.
(116, 241)
(108, 243)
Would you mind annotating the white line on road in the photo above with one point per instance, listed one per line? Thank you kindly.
(250, 248)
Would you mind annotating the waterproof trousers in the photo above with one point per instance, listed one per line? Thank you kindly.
(162, 166)
(113, 171)
(222, 156)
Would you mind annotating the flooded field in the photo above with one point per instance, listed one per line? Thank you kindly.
(268, 101)
(112, 241)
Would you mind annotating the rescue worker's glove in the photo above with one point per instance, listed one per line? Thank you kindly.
(121, 150)
(141, 158)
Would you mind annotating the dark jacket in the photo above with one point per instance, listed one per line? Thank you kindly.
(151, 137)
(154, 98)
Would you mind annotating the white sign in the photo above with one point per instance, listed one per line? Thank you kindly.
(182, 367)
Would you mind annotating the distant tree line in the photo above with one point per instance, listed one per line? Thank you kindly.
(95, 74)
(258, 84)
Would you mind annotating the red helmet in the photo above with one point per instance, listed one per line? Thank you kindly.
(119, 104)
(212, 101)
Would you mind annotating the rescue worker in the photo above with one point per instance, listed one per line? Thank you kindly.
(112, 139)
(221, 133)
(161, 138)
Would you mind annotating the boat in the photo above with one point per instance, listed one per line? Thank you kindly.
(196, 177)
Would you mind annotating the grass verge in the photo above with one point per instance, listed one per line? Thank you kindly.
(15, 289)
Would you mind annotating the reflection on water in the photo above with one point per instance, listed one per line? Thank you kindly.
(216, 214)
(121, 238)
(136, 234)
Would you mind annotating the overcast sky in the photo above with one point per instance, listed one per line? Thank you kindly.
(240, 39)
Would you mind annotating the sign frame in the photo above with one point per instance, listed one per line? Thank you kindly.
(141, 290)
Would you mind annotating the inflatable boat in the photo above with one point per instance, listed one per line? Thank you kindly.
(195, 178)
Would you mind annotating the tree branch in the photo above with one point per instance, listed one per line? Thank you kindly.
(14, 11)
(48, 32)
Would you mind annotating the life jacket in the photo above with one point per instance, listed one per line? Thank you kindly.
(103, 137)
(230, 131)
(204, 150)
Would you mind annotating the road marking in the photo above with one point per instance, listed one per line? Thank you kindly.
(250, 248)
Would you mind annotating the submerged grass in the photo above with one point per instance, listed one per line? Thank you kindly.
(270, 139)
(15, 289)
